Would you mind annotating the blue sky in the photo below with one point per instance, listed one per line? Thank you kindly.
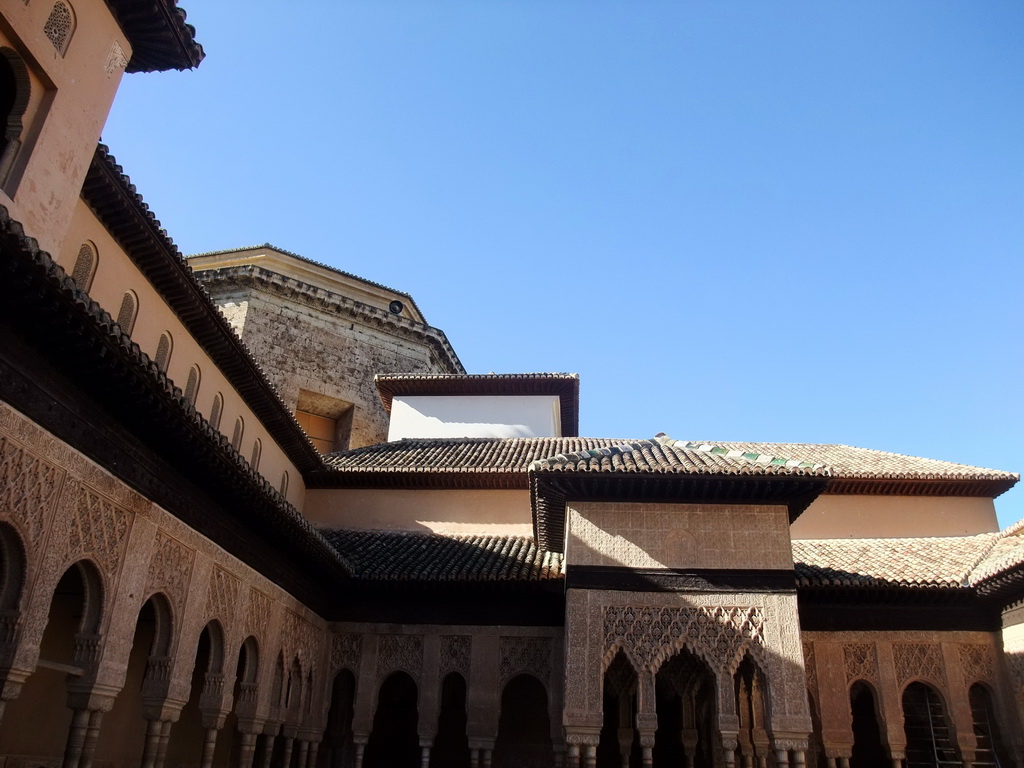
(788, 221)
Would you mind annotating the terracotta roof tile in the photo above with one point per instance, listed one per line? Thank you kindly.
(849, 469)
(1007, 555)
(913, 562)
(847, 461)
(391, 556)
(666, 456)
(460, 455)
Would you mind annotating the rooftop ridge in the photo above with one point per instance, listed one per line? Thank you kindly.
(735, 453)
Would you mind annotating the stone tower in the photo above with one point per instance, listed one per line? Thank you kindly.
(321, 335)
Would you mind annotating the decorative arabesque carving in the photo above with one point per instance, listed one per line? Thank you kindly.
(860, 662)
(345, 652)
(519, 654)
(222, 596)
(977, 663)
(923, 660)
(400, 652)
(301, 638)
(455, 650)
(649, 635)
(29, 486)
(810, 668)
(257, 615)
(1016, 662)
(98, 529)
(170, 570)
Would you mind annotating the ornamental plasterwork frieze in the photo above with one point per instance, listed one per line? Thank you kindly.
(520, 654)
(98, 529)
(222, 596)
(29, 487)
(977, 663)
(810, 668)
(919, 660)
(257, 617)
(399, 653)
(346, 651)
(860, 662)
(170, 569)
(301, 638)
(455, 655)
(650, 635)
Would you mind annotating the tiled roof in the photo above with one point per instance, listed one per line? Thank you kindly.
(851, 462)
(388, 556)
(849, 469)
(451, 462)
(913, 562)
(161, 39)
(666, 456)
(1007, 554)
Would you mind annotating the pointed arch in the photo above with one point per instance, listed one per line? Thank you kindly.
(926, 726)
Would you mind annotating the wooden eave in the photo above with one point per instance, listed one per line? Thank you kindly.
(922, 486)
(128, 219)
(159, 36)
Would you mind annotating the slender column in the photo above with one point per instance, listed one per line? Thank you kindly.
(152, 745)
(360, 742)
(589, 756)
(425, 757)
(209, 746)
(314, 748)
(303, 753)
(76, 738)
(268, 749)
(799, 758)
(165, 739)
(729, 744)
(286, 756)
(247, 750)
(572, 751)
(782, 758)
(844, 762)
(92, 733)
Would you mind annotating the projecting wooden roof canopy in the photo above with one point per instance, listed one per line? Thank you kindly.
(159, 36)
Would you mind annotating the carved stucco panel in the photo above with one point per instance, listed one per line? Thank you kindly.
(346, 650)
(29, 487)
(454, 656)
(976, 663)
(860, 662)
(170, 569)
(919, 660)
(518, 654)
(399, 653)
(301, 639)
(810, 668)
(222, 597)
(257, 616)
(99, 530)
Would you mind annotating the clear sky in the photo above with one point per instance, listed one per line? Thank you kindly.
(785, 221)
